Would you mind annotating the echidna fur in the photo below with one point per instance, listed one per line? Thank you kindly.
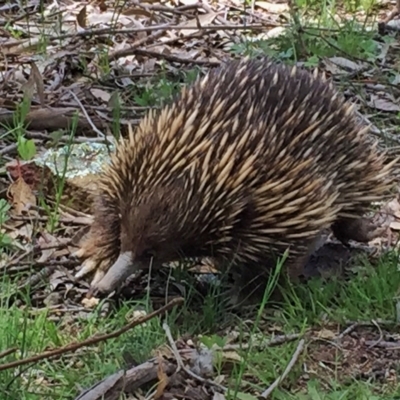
(253, 159)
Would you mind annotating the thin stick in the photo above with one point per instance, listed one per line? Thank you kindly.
(94, 339)
(106, 31)
(182, 366)
(8, 352)
(348, 330)
(89, 120)
(289, 367)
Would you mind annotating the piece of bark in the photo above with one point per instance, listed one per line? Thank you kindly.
(52, 119)
(127, 381)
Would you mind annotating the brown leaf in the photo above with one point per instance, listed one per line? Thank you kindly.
(101, 94)
(21, 195)
(38, 79)
(162, 379)
(90, 303)
(82, 18)
(395, 225)
(273, 8)
(201, 21)
(342, 64)
(383, 104)
(138, 11)
(218, 396)
(102, 5)
(46, 240)
(28, 88)
(326, 334)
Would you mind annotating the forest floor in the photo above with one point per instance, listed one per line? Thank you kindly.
(74, 75)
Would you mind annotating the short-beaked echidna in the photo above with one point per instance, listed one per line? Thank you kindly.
(250, 160)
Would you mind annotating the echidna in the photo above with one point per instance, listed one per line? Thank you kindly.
(252, 159)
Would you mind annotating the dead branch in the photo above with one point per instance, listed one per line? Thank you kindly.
(94, 339)
(277, 340)
(108, 31)
(168, 57)
(7, 352)
(289, 367)
(182, 366)
(134, 378)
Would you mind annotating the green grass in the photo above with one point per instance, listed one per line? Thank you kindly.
(370, 294)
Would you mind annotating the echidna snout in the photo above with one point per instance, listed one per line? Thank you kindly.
(123, 267)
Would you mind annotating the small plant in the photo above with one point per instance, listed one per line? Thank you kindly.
(5, 240)
(26, 148)
(156, 92)
(210, 341)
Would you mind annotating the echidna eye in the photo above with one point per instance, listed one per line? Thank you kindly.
(149, 253)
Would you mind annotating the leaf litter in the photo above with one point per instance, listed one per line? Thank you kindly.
(77, 64)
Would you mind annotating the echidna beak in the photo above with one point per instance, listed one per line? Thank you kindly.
(118, 272)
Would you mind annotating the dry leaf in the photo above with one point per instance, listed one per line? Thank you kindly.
(345, 64)
(81, 18)
(162, 379)
(202, 21)
(21, 195)
(218, 396)
(326, 334)
(90, 303)
(102, 5)
(38, 79)
(28, 88)
(138, 12)
(383, 104)
(395, 225)
(25, 232)
(231, 356)
(274, 8)
(101, 94)
(46, 240)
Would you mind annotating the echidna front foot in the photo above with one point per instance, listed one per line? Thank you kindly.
(94, 259)
(247, 289)
(251, 282)
(299, 257)
(360, 229)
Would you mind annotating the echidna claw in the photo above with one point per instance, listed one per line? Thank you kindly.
(98, 276)
(87, 267)
(79, 253)
(116, 274)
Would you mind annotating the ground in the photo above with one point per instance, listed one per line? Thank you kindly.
(335, 335)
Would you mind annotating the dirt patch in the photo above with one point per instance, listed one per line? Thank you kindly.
(367, 353)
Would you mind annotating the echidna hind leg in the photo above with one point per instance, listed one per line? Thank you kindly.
(251, 281)
(359, 229)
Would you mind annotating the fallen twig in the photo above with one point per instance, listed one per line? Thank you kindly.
(182, 366)
(62, 220)
(107, 31)
(289, 367)
(376, 343)
(89, 120)
(127, 380)
(277, 340)
(8, 352)
(371, 323)
(94, 339)
(33, 263)
(168, 57)
(348, 330)
(383, 344)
